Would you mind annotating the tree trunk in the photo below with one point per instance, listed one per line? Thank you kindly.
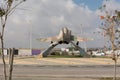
(115, 65)
(3, 58)
(11, 58)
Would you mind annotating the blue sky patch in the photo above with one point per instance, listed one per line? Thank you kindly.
(92, 4)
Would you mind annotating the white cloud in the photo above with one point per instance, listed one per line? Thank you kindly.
(57, 20)
(70, 6)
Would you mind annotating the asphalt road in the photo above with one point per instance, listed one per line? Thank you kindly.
(62, 68)
(66, 71)
(59, 72)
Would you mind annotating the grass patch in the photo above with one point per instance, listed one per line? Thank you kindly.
(100, 56)
(106, 78)
(63, 56)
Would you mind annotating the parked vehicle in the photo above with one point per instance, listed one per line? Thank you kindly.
(99, 54)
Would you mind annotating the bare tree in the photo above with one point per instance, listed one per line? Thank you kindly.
(6, 8)
(111, 26)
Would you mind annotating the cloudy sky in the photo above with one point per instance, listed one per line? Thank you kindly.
(44, 18)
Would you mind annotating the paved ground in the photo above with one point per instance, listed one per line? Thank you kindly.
(66, 72)
(34, 68)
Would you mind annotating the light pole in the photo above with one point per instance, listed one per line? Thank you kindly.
(30, 34)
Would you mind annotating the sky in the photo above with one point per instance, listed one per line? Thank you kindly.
(44, 18)
(92, 4)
